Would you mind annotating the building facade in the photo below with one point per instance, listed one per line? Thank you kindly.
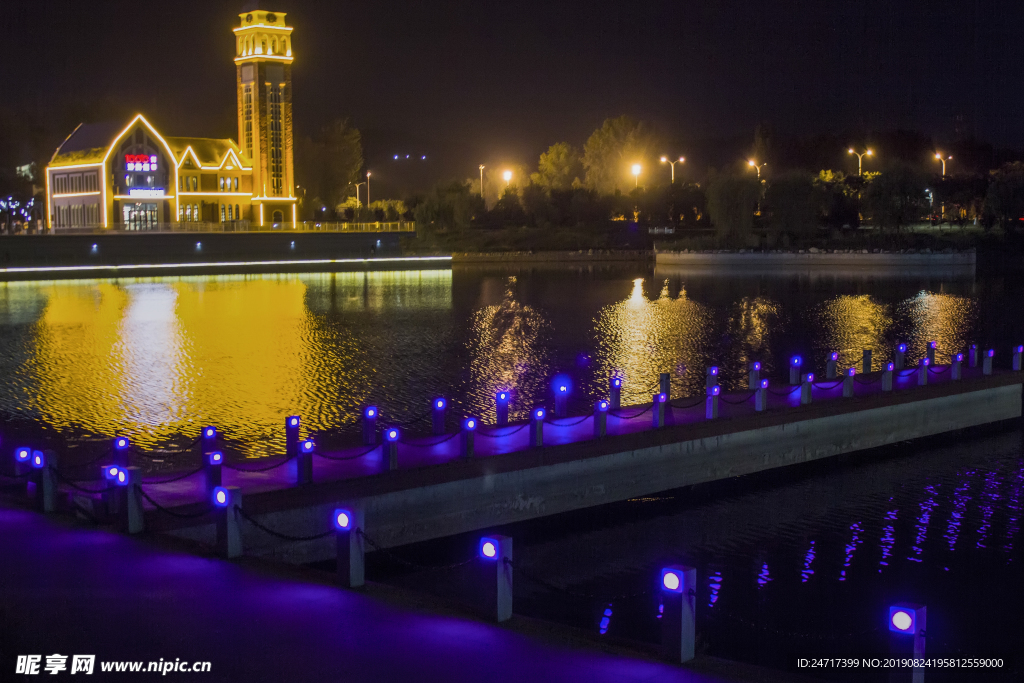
(131, 177)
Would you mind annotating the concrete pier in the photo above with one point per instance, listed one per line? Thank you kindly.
(435, 495)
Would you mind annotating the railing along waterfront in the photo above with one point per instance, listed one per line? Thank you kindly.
(244, 227)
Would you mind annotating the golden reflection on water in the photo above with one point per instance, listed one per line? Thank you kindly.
(507, 352)
(945, 318)
(157, 358)
(850, 324)
(639, 338)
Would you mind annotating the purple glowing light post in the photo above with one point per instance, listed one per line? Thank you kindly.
(601, 418)
(391, 436)
(794, 369)
(468, 437)
(678, 618)
(754, 379)
(370, 415)
(351, 562)
(437, 410)
(501, 400)
(830, 365)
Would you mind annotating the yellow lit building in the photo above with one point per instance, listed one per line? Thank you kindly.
(128, 176)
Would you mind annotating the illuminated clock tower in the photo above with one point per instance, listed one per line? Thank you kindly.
(263, 56)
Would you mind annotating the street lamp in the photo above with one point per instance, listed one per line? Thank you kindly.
(481, 180)
(636, 175)
(665, 160)
(860, 158)
(357, 190)
(368, 174)
(507, 175)
(754, 164)
(938, 155)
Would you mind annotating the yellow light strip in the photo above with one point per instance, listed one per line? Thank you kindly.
(140, 200)
(274, 199)
(266, 26)
(222, 264)
(294, 219)
(49, 209)
(215, 194)
(252, 58)
(62, 168)
(231, 152)
(261, 215)
(170, 155)
(76, 194)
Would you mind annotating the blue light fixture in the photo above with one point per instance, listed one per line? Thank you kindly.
(602, 406)
(22, 454)
(370, 412)
(890, 367)
(488, 549)
(293, 421)
(469, 424)
(617, 382)
(901, 619)
(391, 434)
(671, 580)
(959, 358)
(122, 478)
(221, 497)
(834, 355)
(990, 353)
(439, 404)
(209, 432)
(662, 397)
(121, 443)
(110, 472)
(902, 348)
(713, 371)
(342, 520)
(38, 460)
(215, 458)
(764, 384)
(307, 446)
(757, 365)
(796, 361)
(851, 372)
(539, 413)
(562, 389)
(712, 391)
(502, 397)
(809, 377)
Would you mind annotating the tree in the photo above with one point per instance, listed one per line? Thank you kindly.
(508, 210)
(539, 207)
(895, 198)
(328, 166)
(612, 149)
(449, 207)
(1005, 198)
(793, 204)
(558, 168)
(731, 200)
(840, 197)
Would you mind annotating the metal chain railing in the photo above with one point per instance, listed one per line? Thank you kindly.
(73, 484)
(576, 594)
(172, 513)
(369, 450)
(723, 399)
(260, 469)
(178, 478)
(570, 424)
(818, 385)
(784, 393)
(429, 445)
(277, 534)
(631, 417)
(412, 565)
(502, 436)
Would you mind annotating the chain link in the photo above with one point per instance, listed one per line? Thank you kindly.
(501, 436)
(348, 457)
(172, 513)
(178, 478)
(261, 469)
(277, 534)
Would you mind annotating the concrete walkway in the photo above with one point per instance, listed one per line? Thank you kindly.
(70, 589)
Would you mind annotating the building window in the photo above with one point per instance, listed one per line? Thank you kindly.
(195, 183)
(238, 213)
(60, 184)
(236, 184)
(222, 183)
(231, 216)
(276, 151)
(223, 213)
(247, 118)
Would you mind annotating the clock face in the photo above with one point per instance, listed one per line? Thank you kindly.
(271, 17)
(248, 18)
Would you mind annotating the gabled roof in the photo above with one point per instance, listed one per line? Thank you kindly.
(208, 152)
(88, 144)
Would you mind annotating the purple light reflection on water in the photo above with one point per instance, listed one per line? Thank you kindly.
(961, 496)
(715, 584)
(923, 520)
(807, 572)
(988, 500)
(606, 619)
(855, 541)
(1013, 512)
(763, 577)
(888, 540)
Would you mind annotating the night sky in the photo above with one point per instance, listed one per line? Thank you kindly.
(476, 81)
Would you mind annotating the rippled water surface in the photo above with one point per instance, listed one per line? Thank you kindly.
(795, 563)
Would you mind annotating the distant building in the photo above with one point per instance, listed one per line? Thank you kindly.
(128, 176)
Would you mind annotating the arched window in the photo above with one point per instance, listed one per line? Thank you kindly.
(222, 183)
(238, 213)
(263, 46)
(236, 183)
(195, 212)
(195, 183)
(223, 213)
(273, 47)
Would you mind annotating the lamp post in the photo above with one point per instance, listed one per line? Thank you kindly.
(755, 165)
(681, 160)
(357, 190)
(507, 175)
(368, 174)
(636, 175)
(860, 158)
(481, 180)
(943, 160)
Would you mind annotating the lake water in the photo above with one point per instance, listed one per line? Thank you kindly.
(801, 562)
